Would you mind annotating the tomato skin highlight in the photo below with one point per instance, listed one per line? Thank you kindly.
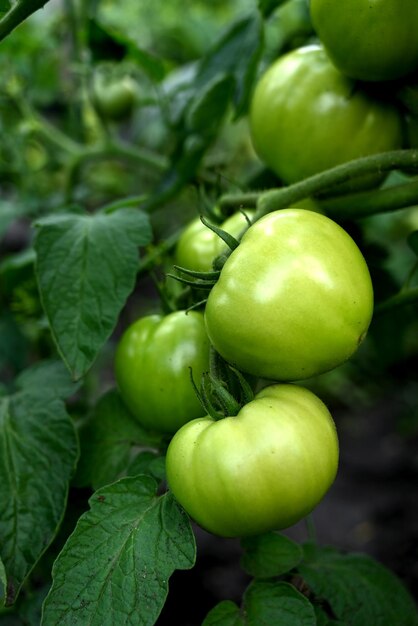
(370, 40)
(152, 368)
(295, 299)
(262, 470)
(306, 117)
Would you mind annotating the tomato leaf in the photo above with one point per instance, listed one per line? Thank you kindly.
(322, 618)
(120, 557)
(277, 603)
(270, 555)
(209, 106)
(150, 463)
(236, 53)
(358, 589)
(39, 452)
(86, 268)
(108, 439)
(224, 614)
(50, 373)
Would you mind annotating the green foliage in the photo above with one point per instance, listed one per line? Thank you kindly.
(36, 434)
(78, 286)
(118, 560)
(109, 439)
(270, 555)
(358, 589)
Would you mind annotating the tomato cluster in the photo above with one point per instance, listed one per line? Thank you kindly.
(293, 300)
(318, 106)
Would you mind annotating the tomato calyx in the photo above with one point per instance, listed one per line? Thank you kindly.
(223, 389)
(202, 280)
(229, 239)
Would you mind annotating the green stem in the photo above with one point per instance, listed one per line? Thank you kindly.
(239, 201)
(125, 203)
(43, 127)
(276, 199)
(17, 14)
(409, 296)
(152, 257)
(140, 155)
(310, 528)
(371, 202)
(111, 150)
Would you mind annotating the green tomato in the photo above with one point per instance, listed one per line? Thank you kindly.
(198, 246)
(294, 299)
(370, 40)
(152, 368)
(306, 117)
(115, 97)
(262, 470)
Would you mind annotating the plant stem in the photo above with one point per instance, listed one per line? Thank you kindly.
(17, 14)
(158, 251)
(371, 202)
(310, 528)
(239, 201)
(276, 199)
(112, 149)
(409, 296)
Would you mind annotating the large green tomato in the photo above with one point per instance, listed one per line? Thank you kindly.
(371, 40)
(152, 368)
(198, 246)
(306, 117)
(294, 299)
(261, 470)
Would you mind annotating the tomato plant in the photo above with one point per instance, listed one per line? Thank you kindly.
(152, 368)
(263, 469)
(293, 300)
(306, 117)
(370, 41)
(91, 213)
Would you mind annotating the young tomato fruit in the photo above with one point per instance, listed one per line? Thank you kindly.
(306, 117)
(152, 368)
(198, 245)
(294, 299)
(262, 470)
(115, 97)
(369, 40)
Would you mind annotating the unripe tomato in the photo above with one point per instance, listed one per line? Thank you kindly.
(262, 470)
(152, 368)
(306, 117)
(370, 40)
(198, 245)
(114, 97)
(293, 300)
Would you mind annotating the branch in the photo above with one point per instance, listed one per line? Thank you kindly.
(17, 14)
